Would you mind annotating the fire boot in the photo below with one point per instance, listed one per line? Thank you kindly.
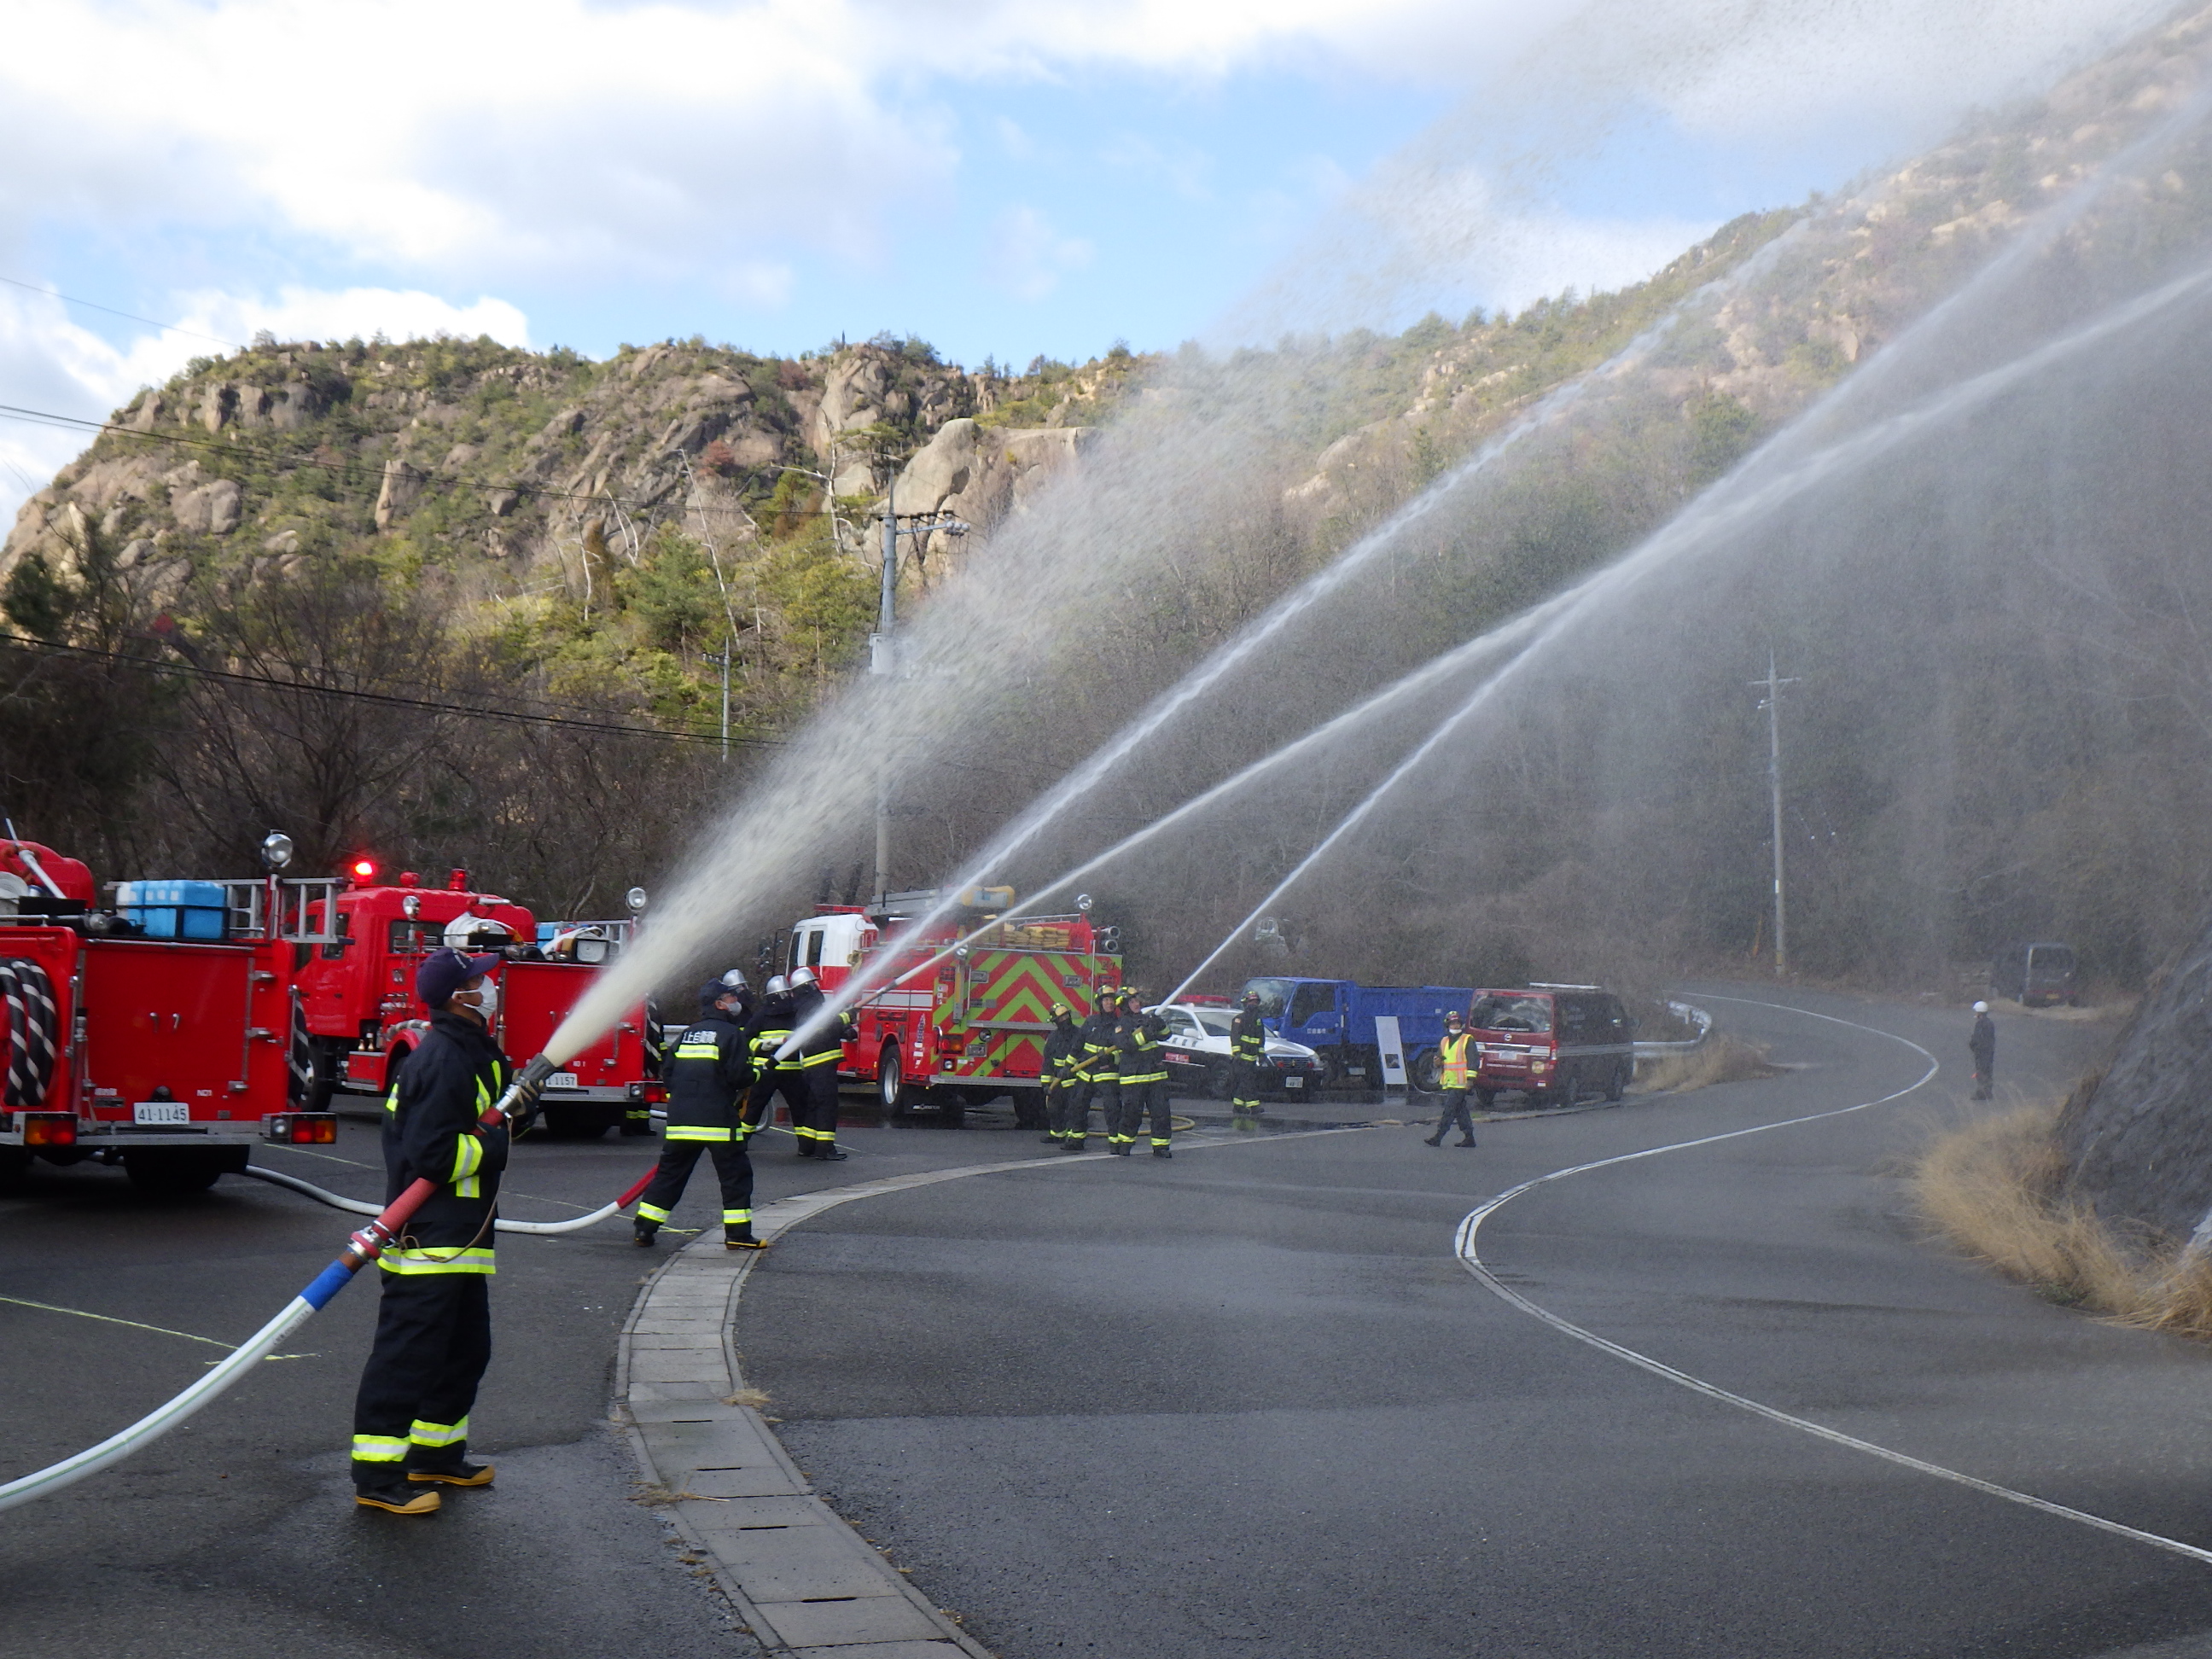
(398, 1500)
(737, 1236)
(641, 1232)
(453, 1474)
(830, 1152)
(1160, 1150)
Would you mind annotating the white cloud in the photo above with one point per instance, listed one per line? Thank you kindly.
(491, 141)
(49, 363)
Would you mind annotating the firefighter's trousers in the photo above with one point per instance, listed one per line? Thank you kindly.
(733, 1168)
(1105, 1094)
(816, 1125)
(432, 1342)
(1244, 1086)
(1067, 1104)
(1133, 1100)
(774, 1080)
(1454, 1112)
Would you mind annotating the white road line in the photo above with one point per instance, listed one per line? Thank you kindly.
(1469, 1258)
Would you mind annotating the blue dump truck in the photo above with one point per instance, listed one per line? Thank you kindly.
(1335, 1019)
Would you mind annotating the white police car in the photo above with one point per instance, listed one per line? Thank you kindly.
(1197, 1051)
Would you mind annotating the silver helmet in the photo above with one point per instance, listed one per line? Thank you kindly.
(777, 986)
(801, 977)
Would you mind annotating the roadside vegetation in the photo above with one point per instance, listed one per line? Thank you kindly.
(1993, 1187)
(1719, 1059)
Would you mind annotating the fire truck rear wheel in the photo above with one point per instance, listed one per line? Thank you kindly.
(163, 1171)
(329, 1060)
(890, 1084)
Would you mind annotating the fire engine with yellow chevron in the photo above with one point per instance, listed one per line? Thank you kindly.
(970, 1026)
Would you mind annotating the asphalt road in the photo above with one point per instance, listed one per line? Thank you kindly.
(236, 1534)
(1249, 1402)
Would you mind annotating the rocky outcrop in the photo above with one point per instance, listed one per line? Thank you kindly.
(979, 474)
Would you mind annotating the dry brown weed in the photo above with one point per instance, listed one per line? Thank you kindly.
(1719, 1059)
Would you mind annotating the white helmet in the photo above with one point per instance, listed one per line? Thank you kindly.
(1981, 1007)
(777, 986)
(801, 977)
(469, 931)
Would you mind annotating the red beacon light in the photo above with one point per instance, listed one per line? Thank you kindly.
(364, 871)
(457, 881)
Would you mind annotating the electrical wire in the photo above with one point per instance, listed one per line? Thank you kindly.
(513, 717)
(131, 316)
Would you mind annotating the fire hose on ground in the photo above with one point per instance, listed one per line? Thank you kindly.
(362, 1247)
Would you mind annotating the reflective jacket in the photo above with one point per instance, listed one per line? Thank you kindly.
(708, 1074)
(1099, 1042)
(1248, 1037)
(1063, 1052)
(827, 1046)
(1141, 1058)
(431, 1132)
(1454, 1059)
(773, 1031)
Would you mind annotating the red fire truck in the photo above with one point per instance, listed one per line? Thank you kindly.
(163, 1036)
(363, 1018)
(969, 1028)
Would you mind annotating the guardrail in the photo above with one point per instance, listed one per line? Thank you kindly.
(1689, 1014)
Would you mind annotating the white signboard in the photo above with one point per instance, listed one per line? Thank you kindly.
(1392, 1050)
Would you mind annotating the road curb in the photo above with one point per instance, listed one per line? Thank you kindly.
(805, 1583)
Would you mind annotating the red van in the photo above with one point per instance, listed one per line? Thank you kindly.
(1554, 1044)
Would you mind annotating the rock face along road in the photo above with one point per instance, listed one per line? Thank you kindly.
(1250, 1402)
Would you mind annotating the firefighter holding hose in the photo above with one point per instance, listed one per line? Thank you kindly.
(434, 1325)
(707, 1077)
(1248, 1049)
(1066, 1112)
(1143, 1077)
(819, 1051)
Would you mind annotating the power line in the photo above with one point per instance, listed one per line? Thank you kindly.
(349, 469)
(514, 717)
(95, 305)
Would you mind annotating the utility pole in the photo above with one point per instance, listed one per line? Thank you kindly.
(721, 660)
(882, 656)
(1773, 685)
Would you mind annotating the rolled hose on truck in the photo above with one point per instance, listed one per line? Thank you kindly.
(362, 1248)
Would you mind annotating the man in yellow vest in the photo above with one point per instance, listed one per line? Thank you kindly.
(1456, 1060)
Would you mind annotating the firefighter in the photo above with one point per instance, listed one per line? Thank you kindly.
(1095, 1083)
(818, 1057)
(707, 1078)
(771, 1028)
(1067, 1106)
(411, 1417)
(1247, 1048)
(1982, 1043)
(1453, 1070)
(1142, 1073)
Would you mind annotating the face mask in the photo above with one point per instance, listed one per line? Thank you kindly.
(487, 995)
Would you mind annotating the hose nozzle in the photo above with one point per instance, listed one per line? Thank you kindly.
(518, 1107)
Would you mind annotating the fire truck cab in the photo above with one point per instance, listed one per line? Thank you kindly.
(363, 1017)
(162, 1036)
(968, 1027)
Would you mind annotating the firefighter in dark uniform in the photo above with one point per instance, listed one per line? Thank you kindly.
(411, 1417)
(707, 1078)
(1094, 1078)
(1248, 1049)
(1456, 1066)
(1142, 1073)
(1068, 1111)
(818, 1057)
(771, 1027)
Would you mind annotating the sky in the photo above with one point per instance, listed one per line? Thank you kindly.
(1002, 177)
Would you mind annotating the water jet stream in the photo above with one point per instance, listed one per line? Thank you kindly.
(1717, 523)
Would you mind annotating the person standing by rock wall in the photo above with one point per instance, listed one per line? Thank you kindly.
(1983, 1044)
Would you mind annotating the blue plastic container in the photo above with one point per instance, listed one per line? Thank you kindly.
(174, 909)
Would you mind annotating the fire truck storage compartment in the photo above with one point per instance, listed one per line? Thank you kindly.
(166, 1017)
(174, 909)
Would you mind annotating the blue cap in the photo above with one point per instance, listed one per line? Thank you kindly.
(444, 971)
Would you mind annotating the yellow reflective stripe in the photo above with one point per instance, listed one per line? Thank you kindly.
(483, 1097)
(468, 1157)
(693, 1132)
(379, 1448)
(824, 1057)
(814, 1135)
(471, 1187)
(735, 1217)
(476, 1259)
(439, 1434)
(1149, 1077)
(651, 1212)
(698, 1051)
(392, 1100)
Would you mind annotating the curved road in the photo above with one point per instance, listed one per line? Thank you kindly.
(1249, 1401)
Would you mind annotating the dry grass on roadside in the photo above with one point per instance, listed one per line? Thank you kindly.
(1991, 1187)
(1719, 1059)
